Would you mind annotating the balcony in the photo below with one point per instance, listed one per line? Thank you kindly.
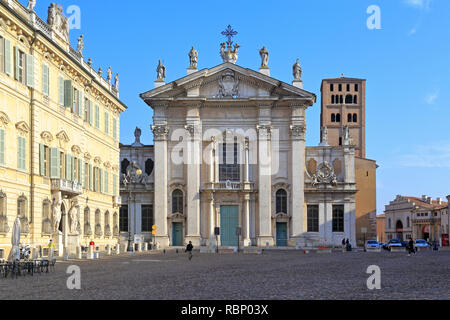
(229, 186)
(70, 188)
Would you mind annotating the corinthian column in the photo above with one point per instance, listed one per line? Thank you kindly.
(298, 131)
(160, 133)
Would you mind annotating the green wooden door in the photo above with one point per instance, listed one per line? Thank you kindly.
(229, 222)
(177, 234)
(282, 238)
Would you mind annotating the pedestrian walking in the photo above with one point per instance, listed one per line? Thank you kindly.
(344, 245)
(411, 248)
(189, 249)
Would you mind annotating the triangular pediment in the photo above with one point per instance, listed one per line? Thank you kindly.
(227, 81)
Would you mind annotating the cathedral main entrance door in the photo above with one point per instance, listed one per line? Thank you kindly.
(177, 234)
(282, 237)
(229, 222)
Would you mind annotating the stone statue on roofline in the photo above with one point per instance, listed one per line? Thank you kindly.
(31, 5)
(297, 71)
(80, 45)
(264, 58)
(116, 82)
(193, 58)
(109, 75)
(161, 72)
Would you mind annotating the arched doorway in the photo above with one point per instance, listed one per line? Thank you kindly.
(399, 230)
(426, 233)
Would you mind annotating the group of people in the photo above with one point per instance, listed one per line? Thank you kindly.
(346, 245)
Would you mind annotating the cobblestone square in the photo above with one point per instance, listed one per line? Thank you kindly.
(276, 275)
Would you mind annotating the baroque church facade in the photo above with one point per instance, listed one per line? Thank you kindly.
(229, 164)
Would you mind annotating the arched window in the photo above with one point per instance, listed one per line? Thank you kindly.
(115, 225)
(355, 99)
(338, 117)
(149, 165)
(348, 87)
(348, 99)
(87, 222)
(107, 225)
(349, 118)
(3, 218)
(98, 226)
(355, 118)
(332, 99)
(408, 222)
(22, 213)
(281, 201)
(333, 117)
(341, 99)
(46, 218)
(177, 201)
(124, 165)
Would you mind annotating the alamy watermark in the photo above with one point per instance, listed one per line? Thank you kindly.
(374, 20)
(374, 281)
(74, 280)
(74, 15)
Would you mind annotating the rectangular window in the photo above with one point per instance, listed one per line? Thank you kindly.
(338, 218)
(68, 94)
(147, 218)
(55, 163)
(348, 87)
(123, 219)
(340, 87)
(44, 160)
(20, 66)
(115, 185)
(106, 174)
(331, 87)
(30, 70)
(356, 87)
(21, 154)
(91, 178)
(313, 218)
(74, 107)
(106, 123)
(86, 176)
(229, 168)
(2, 147)
(45, 80)
(62, 165)
(7, 47)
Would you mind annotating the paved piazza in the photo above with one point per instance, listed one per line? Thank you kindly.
(277, 275)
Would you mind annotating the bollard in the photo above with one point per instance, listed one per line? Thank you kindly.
(90, 255)
(108, 250)
(139, 245)
(79, 254)
(117, 249)
(146, 246)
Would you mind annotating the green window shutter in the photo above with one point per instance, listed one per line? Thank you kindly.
(101, 180)
(80, 172)
(41, 159)
(114, 128)
(72, 171)
(17, 53)
(80, 104)
(8, 57)
(68, 94)
(45, 80)
(61, 90)
(30, 70)
(97, 117)
(21, 153)
(86, 176)
(68, 167)
(91, 112)
(90, 177)
(54, 163)
(2, 146)
(106, 123)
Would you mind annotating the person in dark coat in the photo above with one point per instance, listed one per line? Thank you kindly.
(411, 248)
(189, 249)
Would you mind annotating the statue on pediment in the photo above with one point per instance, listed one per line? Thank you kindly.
(31, 5)
(297, 71)
(109, 75)
(57, 20)
(116, 82)
(193, 58)
(161, 72)
(264, 58)
(80, 45)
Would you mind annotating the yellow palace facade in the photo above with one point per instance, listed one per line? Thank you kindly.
(59, 136)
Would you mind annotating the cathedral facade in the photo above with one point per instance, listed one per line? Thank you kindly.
(229, 165)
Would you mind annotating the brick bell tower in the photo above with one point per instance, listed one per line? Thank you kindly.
(344, 104)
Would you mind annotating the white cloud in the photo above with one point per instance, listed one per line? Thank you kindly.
(431, 98)
(419, 4)
(436, 155)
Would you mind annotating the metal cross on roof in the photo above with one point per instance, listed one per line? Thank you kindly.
(229, 33)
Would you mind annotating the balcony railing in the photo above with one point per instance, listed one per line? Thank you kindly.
(65, 186)
(230, 186)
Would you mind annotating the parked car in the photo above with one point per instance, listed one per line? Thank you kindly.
(421, 244)
(405, 244)
(394, 243)
(372, 244)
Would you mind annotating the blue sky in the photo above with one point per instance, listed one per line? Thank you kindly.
(406, 65)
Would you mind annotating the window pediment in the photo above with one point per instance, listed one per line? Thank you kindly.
(4, 119)
(47, 137)
(23, 127)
